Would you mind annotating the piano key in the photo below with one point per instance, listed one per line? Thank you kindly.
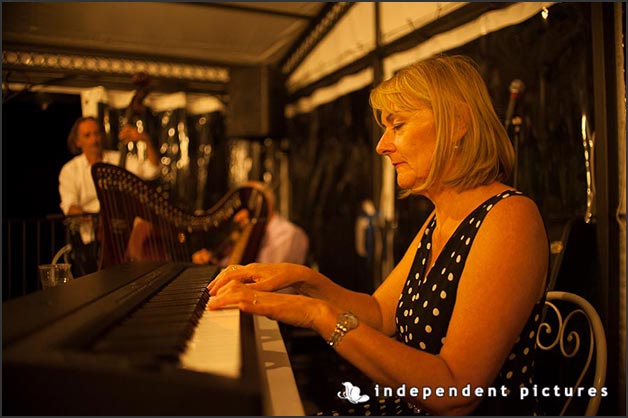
(154, 345)
(176, 302)
(214, 346)
(153, 364)
(161, 319)
(153, 330)
(188, 284)
(190, 309)
(179, 295)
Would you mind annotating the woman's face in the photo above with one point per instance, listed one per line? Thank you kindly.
(409, 141)
(89, 137)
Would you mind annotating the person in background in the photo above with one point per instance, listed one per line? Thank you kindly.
(461, 308)
(76, 187)
(283, 241)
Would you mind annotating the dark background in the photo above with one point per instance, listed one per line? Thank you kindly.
(34, 132)
(330, 148)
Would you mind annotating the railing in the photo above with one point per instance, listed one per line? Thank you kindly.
(26, 243)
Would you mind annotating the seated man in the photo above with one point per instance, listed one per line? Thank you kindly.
(283, 241)
(76, 187)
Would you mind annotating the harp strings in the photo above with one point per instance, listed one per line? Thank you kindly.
(141, 224)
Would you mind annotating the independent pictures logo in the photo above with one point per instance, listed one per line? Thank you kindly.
(352, 394)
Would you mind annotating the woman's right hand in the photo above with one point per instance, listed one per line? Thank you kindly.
(263, 276)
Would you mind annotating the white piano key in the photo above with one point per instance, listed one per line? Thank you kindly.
(215, 345)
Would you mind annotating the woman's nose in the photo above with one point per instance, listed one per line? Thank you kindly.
(385, 145)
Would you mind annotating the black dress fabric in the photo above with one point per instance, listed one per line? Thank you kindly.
(424, 311)
(427, 302)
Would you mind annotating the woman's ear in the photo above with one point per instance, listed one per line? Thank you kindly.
(462, 121)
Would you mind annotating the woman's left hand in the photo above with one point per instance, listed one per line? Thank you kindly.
(295, 310)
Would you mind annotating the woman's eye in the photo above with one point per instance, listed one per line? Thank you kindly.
(397, 126)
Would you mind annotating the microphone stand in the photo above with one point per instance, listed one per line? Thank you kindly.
(516, 123)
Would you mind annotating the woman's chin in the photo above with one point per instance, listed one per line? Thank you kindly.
(409, 184)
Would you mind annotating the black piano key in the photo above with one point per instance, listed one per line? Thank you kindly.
(160, 319)
(162, 326)
(181, 329)
(185, 286)
(184, 289)
(173, 302)
(153, 345)
(189, 308)
(180, 296)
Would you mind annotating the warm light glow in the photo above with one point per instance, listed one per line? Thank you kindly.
(112, 65)
(583, 127)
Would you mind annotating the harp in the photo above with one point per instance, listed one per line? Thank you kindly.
(138, 223)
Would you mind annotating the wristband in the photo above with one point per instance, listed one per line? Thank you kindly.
(346, 322)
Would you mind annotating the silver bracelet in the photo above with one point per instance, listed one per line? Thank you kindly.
(346, 322)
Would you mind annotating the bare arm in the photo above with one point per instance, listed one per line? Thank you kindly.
(316, 286)
(478, 340)
(377, 310)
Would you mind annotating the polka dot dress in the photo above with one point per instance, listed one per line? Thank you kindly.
(424, 311)
(427, 302)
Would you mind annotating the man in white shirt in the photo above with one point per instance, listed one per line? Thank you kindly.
(282, 242)
(76, 187)
(77, 190)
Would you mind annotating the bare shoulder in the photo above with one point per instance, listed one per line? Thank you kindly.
(513, 236)
(515, 205)
(515, 218)
(505, 272)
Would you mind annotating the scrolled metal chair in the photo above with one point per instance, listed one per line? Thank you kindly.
(561, 332)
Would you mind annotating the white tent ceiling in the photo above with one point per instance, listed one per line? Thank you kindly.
(200, 42)
(221, 32)
(187, 46)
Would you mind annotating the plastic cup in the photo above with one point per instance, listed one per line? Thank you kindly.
(52, 275)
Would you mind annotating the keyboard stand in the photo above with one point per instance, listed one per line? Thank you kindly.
(280, 396)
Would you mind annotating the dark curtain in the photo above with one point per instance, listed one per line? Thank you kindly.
(330, 174)
(331, 153)
(209, 157)
(192, 149)
(553, 57)
(35, 127)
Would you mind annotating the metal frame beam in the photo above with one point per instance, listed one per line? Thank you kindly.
(607, 193)
(248, 9)
(456, 18)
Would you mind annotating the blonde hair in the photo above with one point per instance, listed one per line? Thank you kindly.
(452, 87)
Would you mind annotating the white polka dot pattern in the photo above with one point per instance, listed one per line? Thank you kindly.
(423, 314)
(431, 295)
